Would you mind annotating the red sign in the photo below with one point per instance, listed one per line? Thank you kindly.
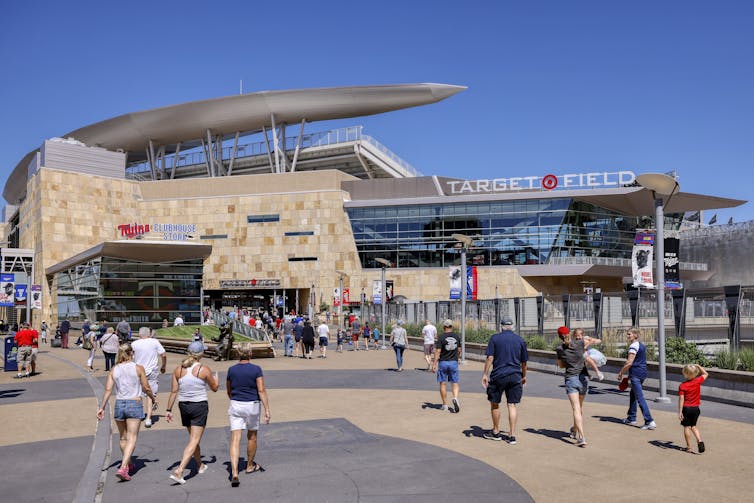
(132, 230)
(346, 296)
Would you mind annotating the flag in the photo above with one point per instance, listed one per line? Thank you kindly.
(641, 266)
(454, 275)
(730, 221)
(694, 217)
(713, 220)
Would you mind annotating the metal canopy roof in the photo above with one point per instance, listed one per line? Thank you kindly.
(141, 249)
(246, 113)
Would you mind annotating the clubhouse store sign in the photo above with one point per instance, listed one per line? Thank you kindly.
(547, 182)
(166, 232)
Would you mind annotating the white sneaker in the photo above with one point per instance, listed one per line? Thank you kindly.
(600, 376)
(572, 433)
(581, 442)
(148, 422)
(649, 426)
(456, 405)
(444, 407)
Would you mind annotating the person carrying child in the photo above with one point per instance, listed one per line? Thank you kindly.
(593, 358)
(689, 399)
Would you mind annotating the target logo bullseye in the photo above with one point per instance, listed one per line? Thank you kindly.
(549, 182)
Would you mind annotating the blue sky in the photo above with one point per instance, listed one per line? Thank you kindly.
(553, 86)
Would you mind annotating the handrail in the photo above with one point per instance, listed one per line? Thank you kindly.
(391, 155)
(616, 261)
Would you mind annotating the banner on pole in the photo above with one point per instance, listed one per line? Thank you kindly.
(670, 260)
(377, 292)
(471, 282)
(456, 281)
(20, 295)
(36, 296)
(7, 290)
(641, 266)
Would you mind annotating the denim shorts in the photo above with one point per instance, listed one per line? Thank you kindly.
(447, 371)
(577, 384)
(323, 342)
(128, 409)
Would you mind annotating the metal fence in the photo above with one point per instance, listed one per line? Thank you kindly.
(722, 315)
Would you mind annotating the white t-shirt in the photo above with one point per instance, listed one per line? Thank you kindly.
(429, 332)
(634, 347)
(324, 330)
(258, 324)
(178, 321)
(147, 354)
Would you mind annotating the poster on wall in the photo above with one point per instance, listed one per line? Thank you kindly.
(7, 290)
(20, 295)
(336, 297)
(456, 281)
(36, 296)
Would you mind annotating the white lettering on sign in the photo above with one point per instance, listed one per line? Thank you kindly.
(567, 181)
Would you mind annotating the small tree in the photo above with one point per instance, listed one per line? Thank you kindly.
(677, 350)
(324, 306)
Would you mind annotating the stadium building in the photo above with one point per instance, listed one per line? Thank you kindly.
(235, 202)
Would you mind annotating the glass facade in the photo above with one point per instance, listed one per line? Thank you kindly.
(111, 289)
(505, 232)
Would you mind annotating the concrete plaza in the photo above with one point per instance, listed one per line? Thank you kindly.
(348, 428)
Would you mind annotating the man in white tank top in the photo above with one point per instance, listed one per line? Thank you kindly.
(150, 354)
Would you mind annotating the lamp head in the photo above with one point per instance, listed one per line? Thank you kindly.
(464, 239)
(659, 183)
(383, 262)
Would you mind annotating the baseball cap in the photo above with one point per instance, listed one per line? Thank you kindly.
(447, 323)
(399, 322)
(563, 331)
(195, 347)
(506, 321)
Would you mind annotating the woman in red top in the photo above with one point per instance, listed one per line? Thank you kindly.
(689, 398)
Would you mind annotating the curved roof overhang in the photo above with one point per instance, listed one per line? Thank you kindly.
(153, 252)
(245, 113)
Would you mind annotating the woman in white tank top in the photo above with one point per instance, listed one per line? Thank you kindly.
(190, 382)
(129, 380)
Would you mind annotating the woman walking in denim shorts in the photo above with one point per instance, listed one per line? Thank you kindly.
(129, 380)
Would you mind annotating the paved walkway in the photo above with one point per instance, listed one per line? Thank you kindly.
(348, 429)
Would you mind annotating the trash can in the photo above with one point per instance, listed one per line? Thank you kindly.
(11, 354)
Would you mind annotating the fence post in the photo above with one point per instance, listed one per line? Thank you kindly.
(679, 311)
(566, 310)
(540, 315)
(633, 302)
(732, 302)
(597, 301)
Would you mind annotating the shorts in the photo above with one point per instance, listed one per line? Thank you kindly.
(340, 341)
(510, 385)
(690, 416)
(429, 349)
(447, 371)
(576, 384)
(34, 352)
(355, 337)
(154, 383)
(323, 342)
(194, 413)
(128, 409)
(244, 415)
(24, 354)
(298, 338)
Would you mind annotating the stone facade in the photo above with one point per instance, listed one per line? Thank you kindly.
(66, 213)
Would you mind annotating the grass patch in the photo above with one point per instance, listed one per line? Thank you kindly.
(747, 359)
(726, 359)
(187, 332)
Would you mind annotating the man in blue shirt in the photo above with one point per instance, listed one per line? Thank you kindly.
(506, 358)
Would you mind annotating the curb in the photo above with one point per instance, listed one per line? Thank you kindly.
(90, 486)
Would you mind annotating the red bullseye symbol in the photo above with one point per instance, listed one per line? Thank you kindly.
(253, 282)
(549, 182)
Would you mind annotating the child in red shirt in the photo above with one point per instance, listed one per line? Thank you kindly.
(689, 398)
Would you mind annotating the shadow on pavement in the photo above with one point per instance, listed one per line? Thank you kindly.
(430, 405)
(554, 434)
(609, 419)
(667, 444)
(475, 431)
(12, 393)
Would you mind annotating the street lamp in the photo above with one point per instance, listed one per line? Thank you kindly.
(662, 187)
(466, 243)
(340, 302)
(385, 264)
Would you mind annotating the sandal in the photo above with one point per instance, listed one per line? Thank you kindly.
(235, 482)
(256, 467)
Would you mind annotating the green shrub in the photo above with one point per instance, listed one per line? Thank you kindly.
(677, 350)
(747, 359)
(726, 359)
(535, 342)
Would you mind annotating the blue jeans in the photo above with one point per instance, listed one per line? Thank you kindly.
(288, 344)
(637, 397)
(399, 355)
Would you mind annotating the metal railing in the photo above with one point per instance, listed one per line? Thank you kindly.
(255, 149)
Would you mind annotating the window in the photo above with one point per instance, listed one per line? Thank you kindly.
(300, 233)
(214, 236)
(301, 259)
(258, 219)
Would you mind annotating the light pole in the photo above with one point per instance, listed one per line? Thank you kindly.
(340, 302)
(466, 243)
(662, 186)
(385, 264)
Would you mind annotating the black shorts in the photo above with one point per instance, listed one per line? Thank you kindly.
(690, 416)
(510, 385)
(194, 413)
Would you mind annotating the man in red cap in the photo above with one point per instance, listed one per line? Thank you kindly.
(25, 339)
